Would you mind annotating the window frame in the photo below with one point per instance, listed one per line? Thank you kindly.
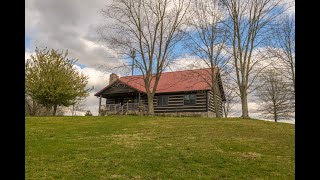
(162, 97)
(189, 104)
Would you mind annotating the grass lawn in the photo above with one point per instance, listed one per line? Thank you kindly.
(133, 147)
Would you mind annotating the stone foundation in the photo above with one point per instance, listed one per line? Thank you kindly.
(130, 112)
(174, 114)
(188, 114)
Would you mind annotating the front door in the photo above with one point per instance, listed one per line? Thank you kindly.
(119, 100)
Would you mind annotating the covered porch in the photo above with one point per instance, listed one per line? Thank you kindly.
(120, 98)
(122, 103)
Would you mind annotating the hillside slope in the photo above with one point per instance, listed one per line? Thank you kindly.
(133, 147)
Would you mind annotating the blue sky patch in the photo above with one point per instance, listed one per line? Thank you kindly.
(27, 41)
(81, 65)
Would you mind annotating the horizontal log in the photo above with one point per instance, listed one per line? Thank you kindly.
(199, 96)
(173, 102)
(180, 110)
(182, 102)
(179, 107)
(181, 95)
(182, 99)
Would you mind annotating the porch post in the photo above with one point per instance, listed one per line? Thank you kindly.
(99, 105)
(139, 99)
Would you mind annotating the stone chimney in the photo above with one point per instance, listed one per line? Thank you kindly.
(113, 77)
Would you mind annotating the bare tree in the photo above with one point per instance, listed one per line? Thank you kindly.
(33, 108)
(79, 105)
(61, 110)
(151, 28)
(281, 47)
(249, 22)
(274, 99)
(230, 95)
(206, 38)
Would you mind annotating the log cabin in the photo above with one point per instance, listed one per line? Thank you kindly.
(185, 92)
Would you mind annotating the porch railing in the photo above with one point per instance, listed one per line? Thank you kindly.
(122, 109)
(131, 106)
(111, 107)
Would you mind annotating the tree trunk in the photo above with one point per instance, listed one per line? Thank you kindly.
(215, 103)
(244, 102)
(150, 105)
(48, 109)
(33, 108)
(293, 79)
(72, 109)
(54, 110)
(225, 110)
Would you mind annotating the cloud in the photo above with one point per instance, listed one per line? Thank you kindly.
(68, 25)
(290, 5)
(27, 55)
(187, 62)
(253, 107)
(71, 25)
(98, 80)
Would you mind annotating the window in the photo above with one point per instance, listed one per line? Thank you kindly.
(189, 99)
(162, 100)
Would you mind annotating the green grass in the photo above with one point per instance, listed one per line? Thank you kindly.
(133, 147)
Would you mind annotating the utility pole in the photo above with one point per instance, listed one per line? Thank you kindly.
(133, 56)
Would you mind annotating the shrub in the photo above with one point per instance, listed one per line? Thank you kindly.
(103, 112)
(88, 113)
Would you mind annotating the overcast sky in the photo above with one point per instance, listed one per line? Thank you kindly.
(72, 24)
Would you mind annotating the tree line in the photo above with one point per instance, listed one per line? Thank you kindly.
(249, 42)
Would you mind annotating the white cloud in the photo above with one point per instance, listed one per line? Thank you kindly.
(68, 25)
(290, 4)
(71, 25)
(98, 80)
(27, 55)
(186, 63)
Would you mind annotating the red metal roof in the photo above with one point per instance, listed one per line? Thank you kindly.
(188, 80)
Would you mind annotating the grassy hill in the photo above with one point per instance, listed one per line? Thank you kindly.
(133, 147)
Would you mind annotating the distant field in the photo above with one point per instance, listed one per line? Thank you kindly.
(133, 147)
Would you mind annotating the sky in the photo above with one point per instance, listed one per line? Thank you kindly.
(73, 25)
